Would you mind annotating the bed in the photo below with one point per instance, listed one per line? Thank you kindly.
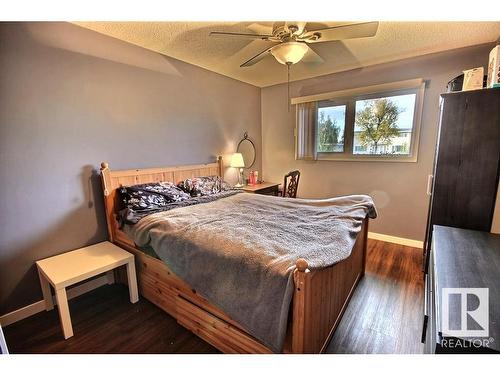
(319, 298)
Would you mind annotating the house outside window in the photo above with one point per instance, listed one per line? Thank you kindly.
(360, 149)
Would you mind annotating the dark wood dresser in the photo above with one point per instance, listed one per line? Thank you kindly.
(465, 177)
(462, 258)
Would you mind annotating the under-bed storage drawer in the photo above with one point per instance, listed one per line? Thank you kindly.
(215, 331)
(160, 286)
(158, 292)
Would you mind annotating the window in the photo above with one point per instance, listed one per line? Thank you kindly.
(330, 128)
(373, 123)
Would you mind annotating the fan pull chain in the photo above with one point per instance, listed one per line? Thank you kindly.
(288, 85)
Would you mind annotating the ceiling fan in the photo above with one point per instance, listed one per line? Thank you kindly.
(294, 40)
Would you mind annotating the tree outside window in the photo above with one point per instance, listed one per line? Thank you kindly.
(331, 124)
(383, 126)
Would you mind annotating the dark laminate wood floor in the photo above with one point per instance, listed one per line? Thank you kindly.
(384, 316)
(104, 321)
(385, 313)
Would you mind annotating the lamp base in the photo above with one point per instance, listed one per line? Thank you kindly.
(239, 185)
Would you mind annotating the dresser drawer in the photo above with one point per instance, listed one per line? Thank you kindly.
(273, 190)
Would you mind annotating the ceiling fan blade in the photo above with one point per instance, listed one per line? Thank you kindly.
(351, 31)
(256, 58)
(241, 35)
(311, 57)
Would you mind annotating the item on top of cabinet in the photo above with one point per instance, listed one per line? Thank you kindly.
(494, 67)
(473, 79)
(256, 177)
(455, 84)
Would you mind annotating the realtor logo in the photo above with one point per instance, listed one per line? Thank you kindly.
(472, 319)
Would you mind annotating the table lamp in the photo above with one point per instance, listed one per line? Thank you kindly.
(237, 162)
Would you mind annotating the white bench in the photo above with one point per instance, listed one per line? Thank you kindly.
(64, 270)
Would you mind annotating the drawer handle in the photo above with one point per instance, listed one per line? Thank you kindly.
(429, 184)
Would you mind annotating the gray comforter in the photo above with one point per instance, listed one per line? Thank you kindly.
(240, 251)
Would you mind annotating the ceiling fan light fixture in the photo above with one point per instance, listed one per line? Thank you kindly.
(289, 52)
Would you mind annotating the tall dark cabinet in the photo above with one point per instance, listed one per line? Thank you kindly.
(465, 177)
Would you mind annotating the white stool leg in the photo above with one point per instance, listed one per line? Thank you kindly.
(47, 293)
(62, 303)
(132, 281)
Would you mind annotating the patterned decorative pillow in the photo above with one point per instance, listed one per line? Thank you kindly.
(152, 196)
(200, 186)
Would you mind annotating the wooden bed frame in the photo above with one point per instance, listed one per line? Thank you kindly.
(319, 300)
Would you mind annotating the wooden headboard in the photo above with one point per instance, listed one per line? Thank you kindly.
(112, 180)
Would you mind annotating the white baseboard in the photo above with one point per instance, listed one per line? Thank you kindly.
(35, 308)
(22, 313)
(397, 240)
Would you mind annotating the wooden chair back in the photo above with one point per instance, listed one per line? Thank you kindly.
(291, 184)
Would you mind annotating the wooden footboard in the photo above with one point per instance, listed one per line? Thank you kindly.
(319, 300)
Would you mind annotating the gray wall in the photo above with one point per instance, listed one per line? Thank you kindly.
(399, 189)
(70, 98)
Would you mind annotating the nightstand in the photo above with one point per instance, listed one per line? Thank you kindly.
(64, 270)
(265, 188)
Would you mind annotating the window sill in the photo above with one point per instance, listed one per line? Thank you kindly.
(390, 159)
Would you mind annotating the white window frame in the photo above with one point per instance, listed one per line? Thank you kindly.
(416, 86)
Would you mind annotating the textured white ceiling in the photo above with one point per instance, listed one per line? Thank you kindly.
(190, 42)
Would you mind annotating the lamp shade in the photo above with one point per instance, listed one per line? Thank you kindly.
(289, 52)
(237, 160)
